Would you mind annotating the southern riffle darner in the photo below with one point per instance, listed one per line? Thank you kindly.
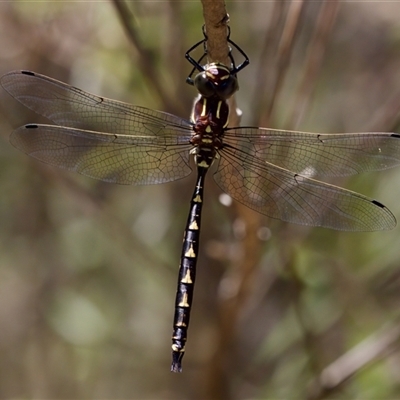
(270, 171)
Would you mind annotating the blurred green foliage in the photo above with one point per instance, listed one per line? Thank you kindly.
(88, 270)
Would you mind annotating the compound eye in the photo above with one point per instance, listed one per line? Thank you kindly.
(227, 88)
(204, 85)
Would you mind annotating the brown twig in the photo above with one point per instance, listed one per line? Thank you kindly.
(216, 22)
(229, 309)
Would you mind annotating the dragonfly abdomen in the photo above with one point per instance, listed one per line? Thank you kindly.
(187, 273)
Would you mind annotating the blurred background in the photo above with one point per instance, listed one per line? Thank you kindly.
(88, 270)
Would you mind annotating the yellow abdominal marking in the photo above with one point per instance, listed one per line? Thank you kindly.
(187, 278)
(184, 302)
(193, 226)
(204, 165)
(197, 199)
(176, 348)
(190, 253)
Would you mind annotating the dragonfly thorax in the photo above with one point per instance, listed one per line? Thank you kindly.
(210, 118)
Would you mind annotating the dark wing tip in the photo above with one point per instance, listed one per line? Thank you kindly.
(27, 73)
(377, 203)
(4, 78)
(389, 221)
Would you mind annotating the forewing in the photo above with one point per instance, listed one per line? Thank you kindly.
(122, 159)
(316, 155)
(281, 194)
(69, 106)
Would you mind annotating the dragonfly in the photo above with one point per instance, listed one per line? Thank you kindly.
(274, 172)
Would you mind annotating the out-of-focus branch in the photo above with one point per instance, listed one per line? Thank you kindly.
(145, 59)
(387, 116)
(266, 78)
(315, 54)
(285, 48)
(372, 349)
(90, 204)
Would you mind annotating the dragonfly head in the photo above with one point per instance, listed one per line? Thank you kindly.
(216, 80)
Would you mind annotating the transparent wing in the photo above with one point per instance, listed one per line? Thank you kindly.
(98, 137)
(315, 155)
(69, 106)
(122, 159)
(281, 194)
